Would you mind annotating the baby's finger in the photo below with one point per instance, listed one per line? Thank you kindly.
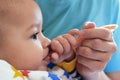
(54, 57)
(76, 33)
(71, 39)
(64, 43)
(56, 46)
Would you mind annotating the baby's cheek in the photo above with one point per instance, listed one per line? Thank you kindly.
(38, 43)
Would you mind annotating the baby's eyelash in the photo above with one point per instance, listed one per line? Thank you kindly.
(34, 36)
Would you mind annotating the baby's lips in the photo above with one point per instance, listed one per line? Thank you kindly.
(47, 59)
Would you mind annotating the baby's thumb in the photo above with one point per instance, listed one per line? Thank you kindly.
(54, 57)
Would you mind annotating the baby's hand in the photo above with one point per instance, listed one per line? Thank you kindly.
(63, 47)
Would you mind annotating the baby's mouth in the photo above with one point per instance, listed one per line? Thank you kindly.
(47, 59)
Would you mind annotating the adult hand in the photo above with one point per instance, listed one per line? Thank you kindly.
(95, 51)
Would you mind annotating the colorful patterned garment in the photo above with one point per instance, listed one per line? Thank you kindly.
(8, 72)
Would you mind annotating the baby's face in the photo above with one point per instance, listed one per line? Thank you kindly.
(23, 44)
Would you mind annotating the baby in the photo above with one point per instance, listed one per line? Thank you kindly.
(24, 50)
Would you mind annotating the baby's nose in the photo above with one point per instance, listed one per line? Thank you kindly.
(46, 42)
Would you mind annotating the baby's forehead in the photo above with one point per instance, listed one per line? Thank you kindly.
(12, 11)
(8, 4)
(13, 5)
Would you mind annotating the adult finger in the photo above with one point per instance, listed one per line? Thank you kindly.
(93, 65)
(100, 33)
(100, 45)
(93, 54)
(89, 25)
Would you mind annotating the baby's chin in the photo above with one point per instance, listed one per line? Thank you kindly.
(42, 68)
(44, 63)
